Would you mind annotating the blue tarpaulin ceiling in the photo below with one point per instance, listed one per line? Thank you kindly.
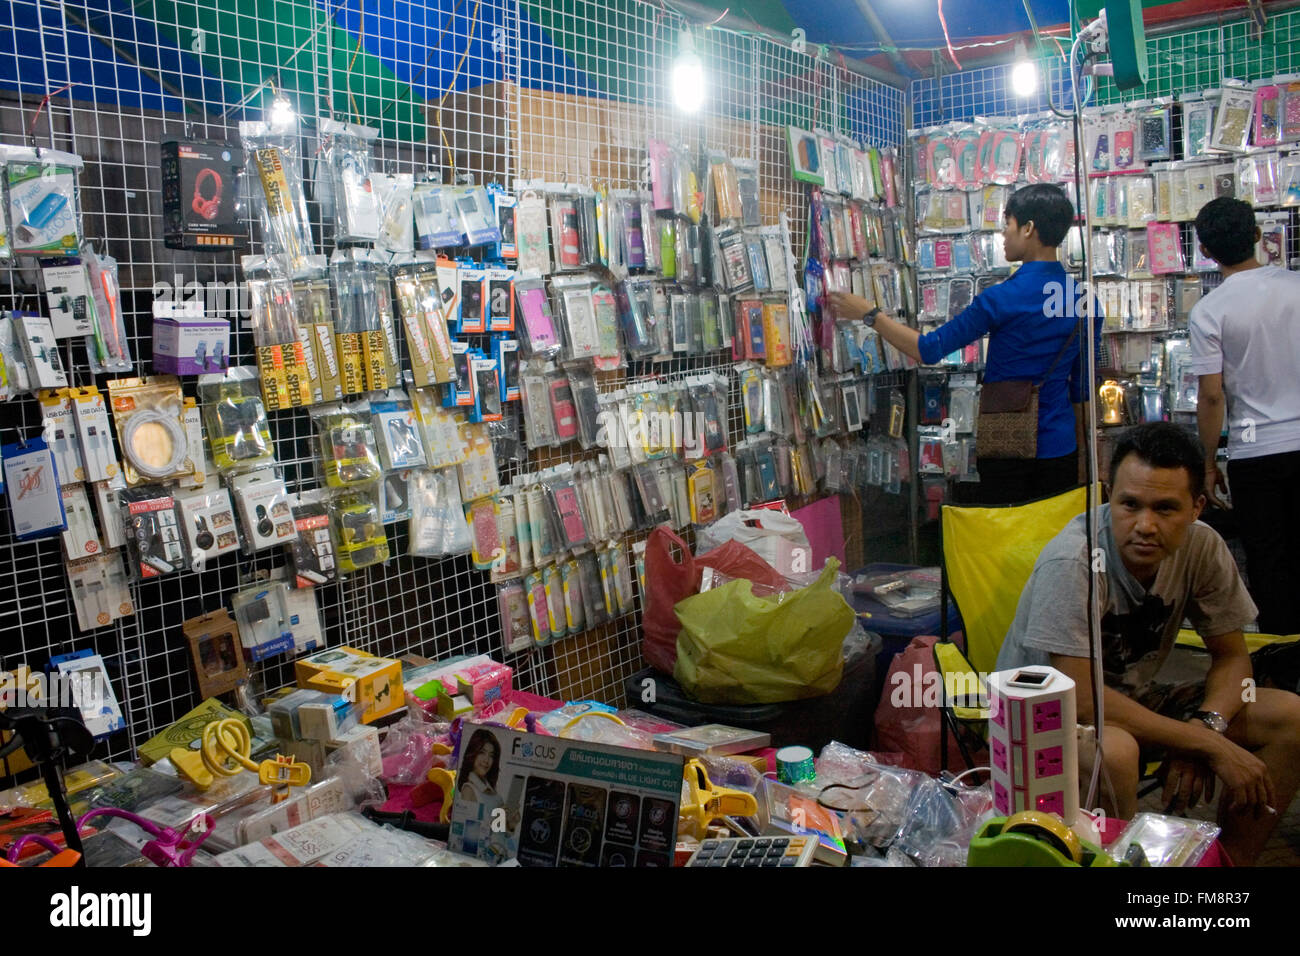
(144, 55)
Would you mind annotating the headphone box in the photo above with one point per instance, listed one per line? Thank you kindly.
(200, 187)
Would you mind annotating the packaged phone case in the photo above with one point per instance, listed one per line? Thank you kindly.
(512, 608)
(532, 235)
(484, 520)
(1268, 116)
(1232, 124)
(539, 338)
(478, 473)
(396, 432)
(636, 317)
(359, 528)
(348, 448)
(437, 526)
(1165, 248)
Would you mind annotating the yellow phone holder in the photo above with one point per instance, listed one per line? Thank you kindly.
(1032, 838)
(444, 780)
(224, 752)
(703, 802)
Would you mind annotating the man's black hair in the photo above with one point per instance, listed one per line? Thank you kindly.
(1047, 207)
(1226, 227)
(1163, 445)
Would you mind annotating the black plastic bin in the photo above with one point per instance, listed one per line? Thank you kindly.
(845, 714)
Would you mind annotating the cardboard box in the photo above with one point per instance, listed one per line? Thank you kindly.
(199, 183)
(187, 342)
(374, 682)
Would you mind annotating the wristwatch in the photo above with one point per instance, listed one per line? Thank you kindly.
(870, 317)
(1212, 719)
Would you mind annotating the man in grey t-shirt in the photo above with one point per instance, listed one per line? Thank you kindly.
(1160, 565)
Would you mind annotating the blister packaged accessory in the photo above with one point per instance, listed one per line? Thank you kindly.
(315, 310)
(349, 452)
(262, 614)
(153, 531)
(396, 432)
(477, 220)
(439, 428)
(1232, 123)
(286, 379)
(503, 209)
(500, 300)
(312, 555)
(365, 330)
(148, 414)
(107, 346)
(279, 201)
(472, 318)
(516, 627)
(483, 518)
(540, 338)
(538, 612)
(437, 224)
(534, 250)
(43, 202)
(565, 236)
(478, 473)
(359, 528)
(239, 432)
(437, 526)
(581, 334)
(59, 431)
(207, 520)
(427, 339)
(486, 380)
(394, 201)
(264, 510)
(1198, 125)
(539, 422)
(636, 313)
(40, 350)
(347, 154)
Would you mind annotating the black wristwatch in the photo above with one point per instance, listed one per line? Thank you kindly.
(870, 317)
(1212, 719)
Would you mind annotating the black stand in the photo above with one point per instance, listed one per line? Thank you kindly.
(48, 735)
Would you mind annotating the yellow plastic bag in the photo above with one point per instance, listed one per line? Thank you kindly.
(735, 648)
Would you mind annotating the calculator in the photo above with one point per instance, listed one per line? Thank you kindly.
(755, 852)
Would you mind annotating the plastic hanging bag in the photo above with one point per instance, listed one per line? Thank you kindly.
(669, 580)
(737, 648)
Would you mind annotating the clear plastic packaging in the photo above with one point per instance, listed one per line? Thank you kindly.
(347, 154)
(264, 510)
(365, 332)
(534, 251)
(1164, 840)
(359, 528)
(43, 210)
(1232, 124)
(279, 201)
(437, 526)
(312, 556)
(149, 415)
(419, 305)
(239, 432)
(539, 336)
(437, 224)
(348, 450)
(395, 200)
(152, 531)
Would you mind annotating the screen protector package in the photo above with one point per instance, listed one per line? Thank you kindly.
(279, 201)
(348, 450)
(348, 156)
(239, 433)
(43, 207)
(359, 528)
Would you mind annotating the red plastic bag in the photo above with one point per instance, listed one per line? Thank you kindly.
(669, 580)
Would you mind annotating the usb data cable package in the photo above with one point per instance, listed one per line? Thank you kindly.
(59, 431)
(44, 213)
(150, 416)
(316, 334)
(264, 510)
(100, 593)
(207, 520)
(93, 433)
(80, 538)
(365, 324)
(427, 338)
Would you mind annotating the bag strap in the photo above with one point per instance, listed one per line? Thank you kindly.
(1059, 355)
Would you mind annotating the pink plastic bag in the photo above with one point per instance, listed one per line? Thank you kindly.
(909, 715)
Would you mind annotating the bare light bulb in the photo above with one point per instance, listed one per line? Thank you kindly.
(1024, 78)
(687, 79)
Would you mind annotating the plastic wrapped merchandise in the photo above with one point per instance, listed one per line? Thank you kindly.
(636, 315)
(348, 450)
(1161, 840)
(394, 201)
(359, 528)
(539, 335)
(42, 209)
(281, 360)
(150, 417)
(396, 432)
(366, 333)
(437, 225)
(437, 526)
(149, 512)
(264, 510)
(427, 339)
(279, 201)
(348, 155)
(238, 430)
(1232, 124)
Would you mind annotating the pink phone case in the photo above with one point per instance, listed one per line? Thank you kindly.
(566, 502)
(541, 331)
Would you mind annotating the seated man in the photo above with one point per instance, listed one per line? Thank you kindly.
(1159, 565)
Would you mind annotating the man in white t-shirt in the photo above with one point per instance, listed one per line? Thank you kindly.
(1245, 338)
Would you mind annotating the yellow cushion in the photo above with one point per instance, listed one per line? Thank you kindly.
(1189, 638)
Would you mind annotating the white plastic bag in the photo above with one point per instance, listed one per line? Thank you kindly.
(777, 538)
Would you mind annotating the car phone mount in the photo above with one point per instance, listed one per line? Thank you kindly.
(49, 735)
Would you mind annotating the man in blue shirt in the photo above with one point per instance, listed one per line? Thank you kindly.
(1031, 321)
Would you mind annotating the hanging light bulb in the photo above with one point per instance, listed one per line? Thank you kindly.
(281, 113)
(1024, 74)
(687, 78)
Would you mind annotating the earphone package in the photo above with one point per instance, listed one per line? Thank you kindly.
(348, 449)
(207, 521)
(201, 202)
(148, 414)
(359, 528)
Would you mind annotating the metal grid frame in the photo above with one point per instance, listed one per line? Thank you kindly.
(479, 102)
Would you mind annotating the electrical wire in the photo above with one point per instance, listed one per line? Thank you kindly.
(943, 22)
(361, 32)
(31, 130)
(451, 159)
